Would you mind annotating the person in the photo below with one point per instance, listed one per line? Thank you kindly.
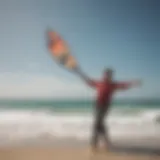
(105, 90)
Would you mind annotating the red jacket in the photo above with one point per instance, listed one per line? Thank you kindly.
(105, 90)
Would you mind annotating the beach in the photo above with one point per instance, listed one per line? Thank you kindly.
(65, 153)
(61, 130)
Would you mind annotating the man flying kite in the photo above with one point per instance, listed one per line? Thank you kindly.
(105, 88)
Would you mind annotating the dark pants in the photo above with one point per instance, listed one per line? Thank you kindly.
(99, 125)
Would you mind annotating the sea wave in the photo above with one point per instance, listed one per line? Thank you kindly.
(19, 125)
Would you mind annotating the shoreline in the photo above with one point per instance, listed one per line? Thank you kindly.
(74, 144)
(150, 143)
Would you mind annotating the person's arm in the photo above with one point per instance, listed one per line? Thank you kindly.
(128, 85)
(84, 77)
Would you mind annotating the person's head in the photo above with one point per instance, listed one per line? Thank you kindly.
(108, 74)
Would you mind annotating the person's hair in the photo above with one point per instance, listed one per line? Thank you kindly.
(108, 70)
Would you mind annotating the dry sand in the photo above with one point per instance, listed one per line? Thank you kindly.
(64, 153)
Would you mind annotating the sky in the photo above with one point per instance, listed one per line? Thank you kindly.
(122, 34)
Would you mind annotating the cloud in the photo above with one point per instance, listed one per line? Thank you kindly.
(38, 86)
(21, 85)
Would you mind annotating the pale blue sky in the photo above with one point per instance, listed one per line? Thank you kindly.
(123, 34)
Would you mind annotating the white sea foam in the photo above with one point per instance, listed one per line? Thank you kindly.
(20, 125)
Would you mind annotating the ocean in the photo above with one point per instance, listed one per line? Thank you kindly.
(133, 122)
